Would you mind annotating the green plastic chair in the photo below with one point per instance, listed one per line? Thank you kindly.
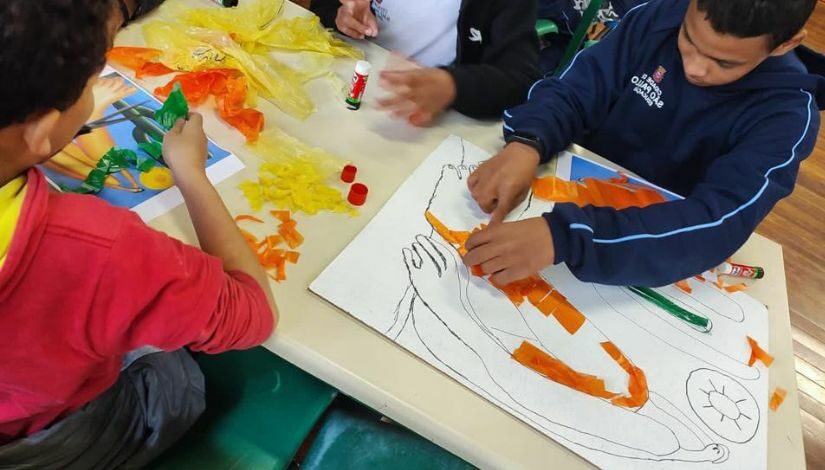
(259, 410)
(545, 27)
(354, 441)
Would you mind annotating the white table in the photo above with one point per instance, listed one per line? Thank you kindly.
(360, 362)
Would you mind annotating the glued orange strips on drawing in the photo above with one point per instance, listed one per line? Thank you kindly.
(248, 217)
(736, 288)
(539, 361)
(757, 353)
(777, 398)
(684, 286)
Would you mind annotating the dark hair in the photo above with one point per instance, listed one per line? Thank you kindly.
(48, 51)
(778, 19)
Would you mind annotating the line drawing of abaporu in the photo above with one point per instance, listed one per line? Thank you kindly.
(537, 355)
(498, 328)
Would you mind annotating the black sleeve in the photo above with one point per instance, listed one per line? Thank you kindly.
(327, 10)
(509, 64)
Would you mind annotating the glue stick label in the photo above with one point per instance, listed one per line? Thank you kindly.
(358, 85)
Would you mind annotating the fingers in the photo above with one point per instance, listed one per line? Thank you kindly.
(353, 28)
(509, 276)
(479, 238)
(426, 256)
(178, 127)
(433, 251)
(411, 259)
(480, 255)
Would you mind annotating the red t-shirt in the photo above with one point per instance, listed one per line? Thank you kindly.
(85, 282)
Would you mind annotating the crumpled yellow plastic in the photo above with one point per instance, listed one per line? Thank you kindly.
(195, 48)
(307, 34)
(247, 22)
(295, 176)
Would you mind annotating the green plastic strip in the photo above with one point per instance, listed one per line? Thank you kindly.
(175, 107)
(668, 306)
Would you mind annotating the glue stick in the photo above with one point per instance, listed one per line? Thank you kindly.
(740, 270)
(359, 84)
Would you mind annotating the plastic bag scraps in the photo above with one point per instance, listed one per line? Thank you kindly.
(175, 107)
(230, 90)
(246, 22)
(757, 353)
(198, 49)
(141, 60)
(272, 258)
(777, 398)
(307, 34)
(295, 176)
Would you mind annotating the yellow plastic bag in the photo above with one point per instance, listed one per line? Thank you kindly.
(247, 22)
(183, 51)
(295, 176)
(194, 48)
(307, 34)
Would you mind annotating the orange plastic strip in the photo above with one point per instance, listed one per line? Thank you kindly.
(757, 353)
(248, 217)
(283, 216)
(618, 193)
(133, 57)
(539, 361)
(777, 398)
(684, 286)
(153, 69)
(736, 288)
(637, 384)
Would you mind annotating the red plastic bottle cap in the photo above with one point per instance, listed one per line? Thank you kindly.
(348, 173)
(358, 194)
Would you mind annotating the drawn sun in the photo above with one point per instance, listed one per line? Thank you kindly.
(723, 404)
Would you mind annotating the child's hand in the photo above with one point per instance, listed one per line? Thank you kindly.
(420, 95)
(512, 251)
(355, 19)
(185, 148)
(502, 182)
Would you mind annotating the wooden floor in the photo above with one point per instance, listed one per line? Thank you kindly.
(798, 223)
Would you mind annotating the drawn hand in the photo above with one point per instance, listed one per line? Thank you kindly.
(419, 96)
(512, 251)
(437, 275)
(355, 19)
(433, 271)
(504, 181)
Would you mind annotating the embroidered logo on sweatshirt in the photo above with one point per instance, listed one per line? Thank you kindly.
(475, 35)
(647, 87)
(659, 75)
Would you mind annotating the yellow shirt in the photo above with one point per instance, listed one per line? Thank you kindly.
(11, 203)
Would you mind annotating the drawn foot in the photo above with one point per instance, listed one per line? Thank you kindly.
(107, 91)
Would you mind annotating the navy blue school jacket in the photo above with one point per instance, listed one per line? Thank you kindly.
(732, 151)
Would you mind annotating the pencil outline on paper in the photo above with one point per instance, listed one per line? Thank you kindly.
(431, 321)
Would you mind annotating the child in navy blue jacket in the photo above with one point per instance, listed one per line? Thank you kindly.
(693, 95)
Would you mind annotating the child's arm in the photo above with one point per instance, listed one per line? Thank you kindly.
(668, 242)
(156, 291)
(508, 67)
(185, 150)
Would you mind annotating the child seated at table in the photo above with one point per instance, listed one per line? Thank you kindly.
(692, 95)
(96, 307)
(478, 58)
